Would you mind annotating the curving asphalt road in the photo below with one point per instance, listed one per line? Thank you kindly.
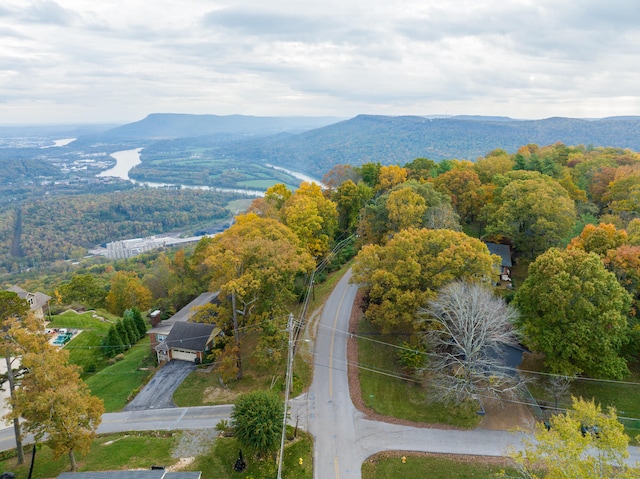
(345, 438)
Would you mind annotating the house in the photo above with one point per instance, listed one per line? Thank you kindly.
(504, 251)
(38, 302)
(187, 341)
(142, 474)
(160, 333)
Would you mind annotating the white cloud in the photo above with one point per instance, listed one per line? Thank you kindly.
(73, 60)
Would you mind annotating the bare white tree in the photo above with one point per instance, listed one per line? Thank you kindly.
(466, 329)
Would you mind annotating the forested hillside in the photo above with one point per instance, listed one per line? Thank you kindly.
(64, 227)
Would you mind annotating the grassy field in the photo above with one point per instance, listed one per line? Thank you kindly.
(85, 349)
(115, 384)
(140, 450)
(392, 396)
(390, 466)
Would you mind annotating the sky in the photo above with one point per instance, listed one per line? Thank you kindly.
(97, 61)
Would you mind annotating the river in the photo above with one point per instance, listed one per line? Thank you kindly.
(127, 159)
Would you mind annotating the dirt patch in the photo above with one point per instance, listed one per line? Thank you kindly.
(499, 415)
(506, 416)
(181, 464)
(216, 395)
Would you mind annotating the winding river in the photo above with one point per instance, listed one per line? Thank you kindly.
(127, 159)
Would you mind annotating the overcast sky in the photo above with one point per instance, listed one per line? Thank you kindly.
(68, 61)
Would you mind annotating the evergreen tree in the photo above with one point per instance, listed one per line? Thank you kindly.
(141, 326)
(130, 326)
(112, 344)
(124, 335)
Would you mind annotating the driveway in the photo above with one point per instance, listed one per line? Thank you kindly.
(158, 393)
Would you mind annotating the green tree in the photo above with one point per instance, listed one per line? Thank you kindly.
(84, 289)
(583, 443)
(124, 334)
(52, 399)
(575, 312)
(350, 199)
(257, 420)
(404, 274)
(127, 291)
(536, 213)
(130, 326)
(138, 320)
(112, 344)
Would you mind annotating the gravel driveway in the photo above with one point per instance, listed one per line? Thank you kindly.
(158, 393)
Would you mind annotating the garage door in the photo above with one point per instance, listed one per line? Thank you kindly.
(183, 355)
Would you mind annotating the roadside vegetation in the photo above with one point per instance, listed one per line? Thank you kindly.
(141, 450)
(418, 466)
(568, 214)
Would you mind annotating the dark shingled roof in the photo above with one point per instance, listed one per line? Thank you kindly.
(189, 336)
(501, 250)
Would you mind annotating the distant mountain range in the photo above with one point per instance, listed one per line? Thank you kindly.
(313, 145)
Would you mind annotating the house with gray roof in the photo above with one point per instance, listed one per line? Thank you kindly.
(38, 302)
(187, 341)
(160, 333)
(504, 251)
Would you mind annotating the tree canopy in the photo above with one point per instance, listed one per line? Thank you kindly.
(575, 312)
(583, 443)
(404, 274)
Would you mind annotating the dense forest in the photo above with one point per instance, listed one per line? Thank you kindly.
(64, 227)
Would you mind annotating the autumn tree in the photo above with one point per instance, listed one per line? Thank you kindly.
(312, 217)
(402, 275)
(536, 213)
(253, 264)
(410, 204)
(338, 175)
(390, 176)
(405, 209)
(599, 239)
(421, 169)
(575, 312)
(52, 399)
(127, 291)
(350, 199)
(496, 162)
(12, 308)
(465, 189)
(583, 443)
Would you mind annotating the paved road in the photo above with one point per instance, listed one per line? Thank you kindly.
(179, 418)
(344, 437)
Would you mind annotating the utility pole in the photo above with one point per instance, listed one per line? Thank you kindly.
(286, 391)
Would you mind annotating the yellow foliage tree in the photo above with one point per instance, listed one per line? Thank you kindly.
(584, 443)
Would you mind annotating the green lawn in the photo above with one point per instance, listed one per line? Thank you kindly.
(391, 396)
(84, 349)
(432, 467)
(140, 450)
(117, 383)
